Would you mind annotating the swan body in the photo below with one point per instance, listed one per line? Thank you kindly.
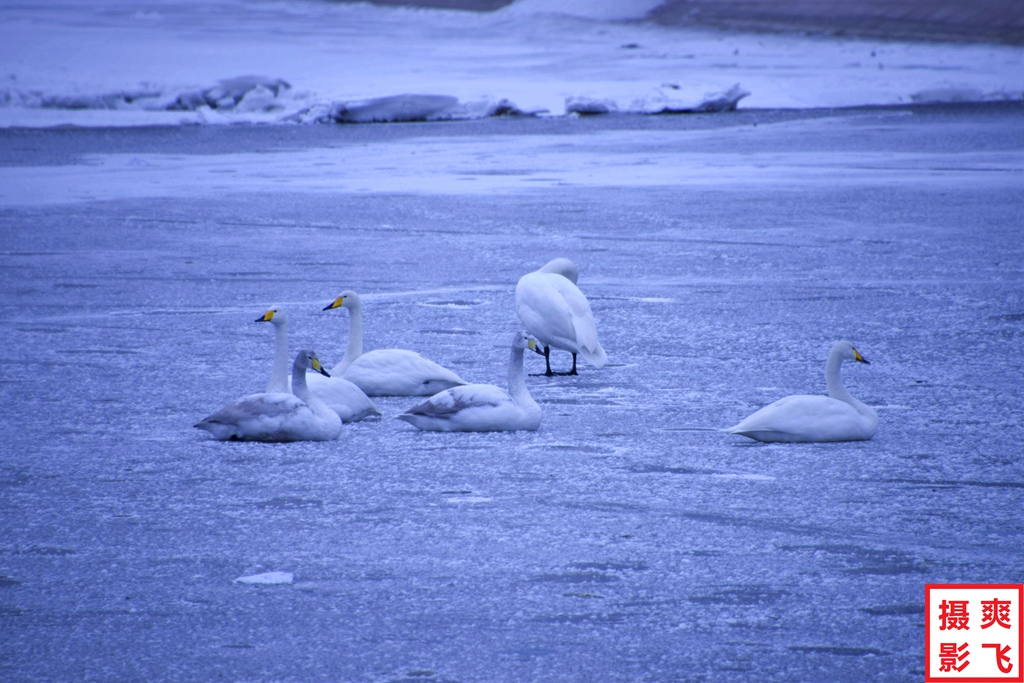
(337, 393)
(343, 397)
(836, 417)
(278, 416)
(386, 372)
(556, 312)
(482, 407)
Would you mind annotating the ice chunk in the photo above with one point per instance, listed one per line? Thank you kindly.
(247, 93)
(590, 106)
(267, 579)
(660, 101)
(396, 108)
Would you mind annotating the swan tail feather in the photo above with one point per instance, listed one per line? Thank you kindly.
(586, 340)
(596, 357)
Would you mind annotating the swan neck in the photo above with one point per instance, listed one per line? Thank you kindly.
(279, 371)
(303, 393)
(299, 387)
(354, 348)
(834, 379)
(516, 379)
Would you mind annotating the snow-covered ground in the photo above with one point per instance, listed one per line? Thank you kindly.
(628, 539)
(120, 62)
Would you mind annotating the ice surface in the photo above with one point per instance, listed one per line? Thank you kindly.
(113, 63)
(628, 539)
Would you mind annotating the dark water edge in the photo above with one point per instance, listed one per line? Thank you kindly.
(67, 144)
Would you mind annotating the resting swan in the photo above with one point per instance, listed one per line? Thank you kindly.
(340, 395)
(386, 372)
(554, 310)
(278, 416)
(836, 417)
(482, 407)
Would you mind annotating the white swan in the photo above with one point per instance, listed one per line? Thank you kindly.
(340, 395)
(836, 417)
(482, 407)
(278, 416)
(554, 310)
(386, 372)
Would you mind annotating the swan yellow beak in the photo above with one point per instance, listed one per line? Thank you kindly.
(315, 362)
(266, 317)
(856, 355)
(533, 344)
(337, 303)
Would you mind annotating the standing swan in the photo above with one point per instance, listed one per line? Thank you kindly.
(482, 407)
(386, 372)
(278, 416)
(340, 395)
(836, 417)
(554, 310)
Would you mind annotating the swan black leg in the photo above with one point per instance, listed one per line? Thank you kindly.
(573, 371)
(547, 360)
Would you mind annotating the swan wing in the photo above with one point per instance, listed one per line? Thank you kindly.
(398, 372)
(584, 325)
(273, 406)
(458, 399)
(343, 397)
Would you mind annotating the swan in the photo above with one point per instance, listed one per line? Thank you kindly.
(386, 372)
(836, 417)
(482, 407)
(278, 416)
(340, 395)
(554, 310)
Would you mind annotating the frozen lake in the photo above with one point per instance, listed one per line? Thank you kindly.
(628, 539)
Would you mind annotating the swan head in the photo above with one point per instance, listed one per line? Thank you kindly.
(847, 351)
(521, 340)
(348, 299)
(275, 315)
(563, 267)
(308, 360)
